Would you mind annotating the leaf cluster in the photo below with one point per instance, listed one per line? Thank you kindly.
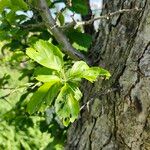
(60, 84)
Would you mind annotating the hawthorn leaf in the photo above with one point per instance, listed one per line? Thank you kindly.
(61, 99)
(46, 54)
(48, 78)
(92, 73)
(66, 105)
(81, 70)
(75, 90)
(43, 71)
(73, 106)
(38, 98)
(52, 93)
(77, 70)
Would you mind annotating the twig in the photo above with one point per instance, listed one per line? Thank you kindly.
(107, 16)
(98, 95)
(33, 26)
(58, 34)
(13, 90)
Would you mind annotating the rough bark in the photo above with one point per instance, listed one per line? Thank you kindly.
(118, 119)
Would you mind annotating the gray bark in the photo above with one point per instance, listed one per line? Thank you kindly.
(118, 119)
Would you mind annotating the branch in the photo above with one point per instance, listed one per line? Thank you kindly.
(57, 32)
(15, 89)
(32, 26)
(88, 28)
(107, 16)
(105, 92)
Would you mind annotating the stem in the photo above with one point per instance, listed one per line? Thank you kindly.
(58, 34)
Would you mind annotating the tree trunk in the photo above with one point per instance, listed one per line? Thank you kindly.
(118, 116)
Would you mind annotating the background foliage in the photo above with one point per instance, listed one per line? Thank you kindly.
(35, 114)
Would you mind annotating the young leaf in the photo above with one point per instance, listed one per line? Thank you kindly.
(76, 91)
(66, 105)
(61, 100)
(92, 73)
(43, 71)
(48, 78)
(81, 70)
(73, 106)
(38, 98)
(77, 69)
(52, 93)
(46, 54)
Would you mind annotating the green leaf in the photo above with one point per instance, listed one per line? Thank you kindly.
(61, 18)
(77, 70)
(81, 70)
(46, 54)
(77, 46)
(73, 106)
(79, 39)
(48, 78)
(92, 73)
(13, 4)
(19, 4)
(60, 102)
(52, 93)
(38, 98)
(79, 6)
(4, 4)
(43, 71)
(66, 104)
(76, 91)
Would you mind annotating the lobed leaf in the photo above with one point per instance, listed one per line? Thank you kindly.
(48, 78)
(38, 98)
(66, 104)
(81, 70)
(46, 54)
(52, 93)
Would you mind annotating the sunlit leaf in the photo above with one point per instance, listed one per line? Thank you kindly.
(77, 69)
(4, 4)
(73, 106)
(38, 98)
(76, 91)
(13, 4)
(92, 73)
(19, 4)
(81, 70)
(48, 78)
(43, 71)
(52, 93)
(66, 104)
(46, 54)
